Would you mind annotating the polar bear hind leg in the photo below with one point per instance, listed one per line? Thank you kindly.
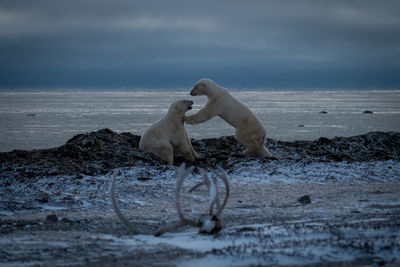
(263, 152)
(254, 144)
(248, 141)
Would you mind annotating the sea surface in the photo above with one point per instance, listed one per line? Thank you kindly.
(35, 119)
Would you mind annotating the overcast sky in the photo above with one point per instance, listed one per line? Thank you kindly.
(172, 44)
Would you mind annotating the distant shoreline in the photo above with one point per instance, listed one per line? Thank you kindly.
(187, 89)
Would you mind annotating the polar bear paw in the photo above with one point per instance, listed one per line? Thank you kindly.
(188, 120)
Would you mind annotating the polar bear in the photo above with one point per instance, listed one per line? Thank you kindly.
(250, 132)
(168, 133)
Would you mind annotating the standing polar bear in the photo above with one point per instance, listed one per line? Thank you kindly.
(250, 132)
(168, 133)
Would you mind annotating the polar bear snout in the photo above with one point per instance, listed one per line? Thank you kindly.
(197, 90)
(201, 87)
(189, 104)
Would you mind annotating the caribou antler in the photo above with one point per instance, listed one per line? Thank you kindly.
(207, 224)
(117, 211)
(211, 186)
(181, 175)
(223, 177)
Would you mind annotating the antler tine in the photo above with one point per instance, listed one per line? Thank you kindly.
(213, 191)
(205, 181)
(217, 201)
(169, 228)
(223, 177)
(181, 175)
(117, 211)
(195, 187)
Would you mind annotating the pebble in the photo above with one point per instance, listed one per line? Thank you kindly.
(51, 218)
(304, 200)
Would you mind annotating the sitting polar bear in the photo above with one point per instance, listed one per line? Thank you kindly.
(250, 132)
(168, 133)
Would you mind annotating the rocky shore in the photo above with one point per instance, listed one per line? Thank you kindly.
(98, 152)
(327, 202)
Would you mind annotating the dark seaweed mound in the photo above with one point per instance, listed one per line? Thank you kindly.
(99, 152)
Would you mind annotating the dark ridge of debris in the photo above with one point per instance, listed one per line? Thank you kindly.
(98, 152)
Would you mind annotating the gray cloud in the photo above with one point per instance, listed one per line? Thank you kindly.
(169, 44)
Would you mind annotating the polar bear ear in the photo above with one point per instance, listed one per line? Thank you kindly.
(175, 107)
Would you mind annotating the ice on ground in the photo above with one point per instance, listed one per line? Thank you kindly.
(353, 217)
(91, 192)
(356, 172)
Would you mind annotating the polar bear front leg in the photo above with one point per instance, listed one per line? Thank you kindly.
(250, 141)
(185, 150)
(211, 109)
(199, 117)
(194, 153)
(255, 145)
(166, 153)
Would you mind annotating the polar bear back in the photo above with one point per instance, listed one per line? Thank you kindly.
(163, 129)
(235, 112)
(154, 132)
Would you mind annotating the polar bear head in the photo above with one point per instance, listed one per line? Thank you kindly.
(180, 107)
(203, 87)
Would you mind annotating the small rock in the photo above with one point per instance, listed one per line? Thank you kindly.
(51, 218)
(323, 112)
(99, 143)
(87, 142)
(368, 112)
(66, 220)
(43, 199)
(21, 154)
(213, 161)
(304, 200)
(142, 178)
(301, 125)
(379, 261)
(323, 140)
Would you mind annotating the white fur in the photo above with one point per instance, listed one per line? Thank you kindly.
(250, 132)
(168, 133)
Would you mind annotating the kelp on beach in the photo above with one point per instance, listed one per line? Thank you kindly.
(98, 152)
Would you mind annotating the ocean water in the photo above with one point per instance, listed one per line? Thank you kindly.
(44, 119)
